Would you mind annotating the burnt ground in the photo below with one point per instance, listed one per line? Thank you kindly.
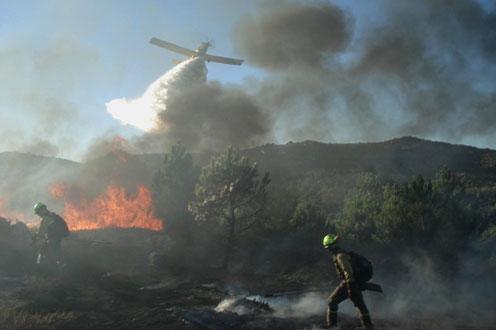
(113, 286)
(82, 299)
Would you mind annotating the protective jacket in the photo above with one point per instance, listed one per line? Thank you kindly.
(344, 267)
(53, 227)
(348, 288)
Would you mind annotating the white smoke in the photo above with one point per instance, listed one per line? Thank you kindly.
(304, 305)
(143, 112)
(230, 305)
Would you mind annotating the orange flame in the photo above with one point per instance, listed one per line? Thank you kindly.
(112, 208)
(59, 190)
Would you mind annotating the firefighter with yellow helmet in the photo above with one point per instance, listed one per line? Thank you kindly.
(355, 271)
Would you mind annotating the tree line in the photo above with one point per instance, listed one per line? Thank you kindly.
(230, 203)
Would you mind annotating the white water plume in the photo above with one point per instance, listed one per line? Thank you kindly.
(143, 111)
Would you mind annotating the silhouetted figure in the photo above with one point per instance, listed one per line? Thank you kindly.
(53, 229)
(355, 271)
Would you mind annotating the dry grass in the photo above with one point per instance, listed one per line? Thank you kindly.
(11, 319)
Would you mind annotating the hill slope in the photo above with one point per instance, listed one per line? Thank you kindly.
(25, 178)
(398, 158)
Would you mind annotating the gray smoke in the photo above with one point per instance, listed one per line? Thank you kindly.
(41, 148)
(143, 112)
(422, 292)
(292, 34)
(43, 80)
(418, 292)
(182, 107)
(210, 116)
(423, 69)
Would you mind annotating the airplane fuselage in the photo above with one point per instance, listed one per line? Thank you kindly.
(202, 50)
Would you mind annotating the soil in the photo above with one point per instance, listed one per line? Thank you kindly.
(86, 299)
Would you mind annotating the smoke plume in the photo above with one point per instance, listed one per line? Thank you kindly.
(333, 74)
(421, 69)
(143, 112)
(293, 35)
(182, 107)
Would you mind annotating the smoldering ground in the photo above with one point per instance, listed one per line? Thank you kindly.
(417, 293)
(424, 293)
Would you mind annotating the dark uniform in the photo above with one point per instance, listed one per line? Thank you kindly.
(53, 229)
(350, 287)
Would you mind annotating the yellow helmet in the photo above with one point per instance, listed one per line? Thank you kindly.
(329, 240)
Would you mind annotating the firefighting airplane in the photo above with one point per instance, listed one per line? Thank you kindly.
(199, 52)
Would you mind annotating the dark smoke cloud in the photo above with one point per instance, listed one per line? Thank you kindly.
(208, 117)
(293, 34)
(202, 116)
(108, 144)
(422, 70)
(211, 116)
(392, 54)
(183, 107)
(432, 63)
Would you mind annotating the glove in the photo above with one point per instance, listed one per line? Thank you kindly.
(352, 288)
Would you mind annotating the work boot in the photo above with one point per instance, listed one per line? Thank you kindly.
(366, 322)
(332, 318)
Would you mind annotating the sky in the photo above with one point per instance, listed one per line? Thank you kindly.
(62, 61)
(78, 55)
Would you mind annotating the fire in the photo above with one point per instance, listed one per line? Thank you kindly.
(112, 208)
(59, 190)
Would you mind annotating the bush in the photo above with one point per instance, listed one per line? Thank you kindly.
(434, 216)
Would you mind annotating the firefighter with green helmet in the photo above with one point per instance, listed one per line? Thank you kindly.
(355, 272)
(53, 229)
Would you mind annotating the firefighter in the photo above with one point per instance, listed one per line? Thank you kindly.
(53, 229)
(354, 271)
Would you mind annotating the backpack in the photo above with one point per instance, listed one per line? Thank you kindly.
(58, 228)
(362, 267)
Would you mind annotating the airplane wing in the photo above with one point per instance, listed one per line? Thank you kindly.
(172, 47)
(224, 60)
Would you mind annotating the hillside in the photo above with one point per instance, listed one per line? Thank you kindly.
(135, 278)
(26, 177)
(398, 158)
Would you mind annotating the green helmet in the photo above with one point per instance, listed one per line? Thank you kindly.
(329, 240)
(38, 207)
